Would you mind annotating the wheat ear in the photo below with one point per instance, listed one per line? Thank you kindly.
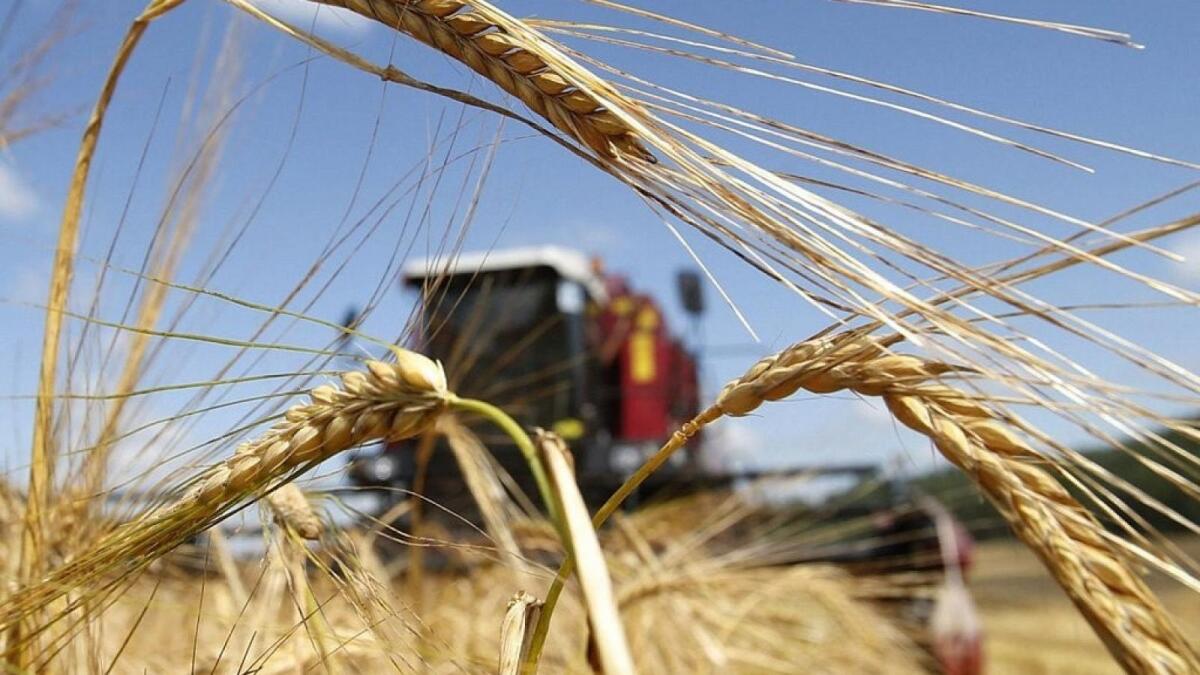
(293, 511)
(387, 401)
(474, 34)
(1069, 540)
(515, 630)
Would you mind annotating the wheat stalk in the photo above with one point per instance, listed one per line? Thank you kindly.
(43, 453)
(472, 34)
(387, 401)
(577, 533)
(1070, 541)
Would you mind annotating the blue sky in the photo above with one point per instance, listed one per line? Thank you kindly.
(535, 193)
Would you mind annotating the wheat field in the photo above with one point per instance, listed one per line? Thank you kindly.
(189, 379)
(1011, 588)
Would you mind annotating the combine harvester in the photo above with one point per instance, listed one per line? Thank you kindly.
(544, 333)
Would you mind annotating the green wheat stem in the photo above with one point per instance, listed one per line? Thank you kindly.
(518, 435)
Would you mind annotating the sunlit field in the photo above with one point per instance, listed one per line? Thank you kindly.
(599, 336)
(1030, 625)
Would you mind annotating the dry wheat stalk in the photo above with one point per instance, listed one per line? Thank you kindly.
(470, 33)
(388, 401)
(607, 633)
(43, 454)
(1068, 538)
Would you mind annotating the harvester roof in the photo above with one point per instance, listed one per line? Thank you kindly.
(568, 263)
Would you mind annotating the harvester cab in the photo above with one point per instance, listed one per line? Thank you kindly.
(546, 334)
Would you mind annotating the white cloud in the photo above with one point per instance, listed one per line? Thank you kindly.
(600, 239)
(17, 200)
(329, 20)
(1189, 248)
(732, 445)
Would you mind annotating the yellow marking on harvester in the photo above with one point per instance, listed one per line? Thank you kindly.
(642, 367)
